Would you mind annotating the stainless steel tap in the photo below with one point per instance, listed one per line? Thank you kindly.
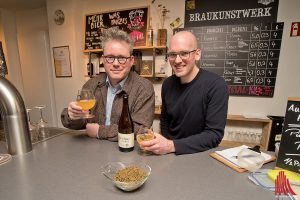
(15, 119)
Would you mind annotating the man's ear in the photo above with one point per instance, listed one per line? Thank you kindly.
(131, 60)
(198, 54)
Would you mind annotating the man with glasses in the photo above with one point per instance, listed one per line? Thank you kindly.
(108, 91)
(194, 103)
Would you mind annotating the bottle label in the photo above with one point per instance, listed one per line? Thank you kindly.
(126, 140)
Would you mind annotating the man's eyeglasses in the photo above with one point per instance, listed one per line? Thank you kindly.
(182, 54)
(111, 59)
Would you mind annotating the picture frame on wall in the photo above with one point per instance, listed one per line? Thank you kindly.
(62, 63)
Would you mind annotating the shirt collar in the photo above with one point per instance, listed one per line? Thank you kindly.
(119, 87)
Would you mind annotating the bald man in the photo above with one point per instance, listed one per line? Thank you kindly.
(194, 103)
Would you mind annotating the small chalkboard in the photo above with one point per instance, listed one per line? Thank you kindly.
(132, 21)
(289, 151)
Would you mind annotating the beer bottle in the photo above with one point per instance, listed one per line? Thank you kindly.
(125, 129)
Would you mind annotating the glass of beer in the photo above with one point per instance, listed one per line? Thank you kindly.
(86, 100)
(145, 135)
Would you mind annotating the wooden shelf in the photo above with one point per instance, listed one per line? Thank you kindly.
(149, 47)
(232, 120)
(239, 120)
(242, 118)
(134, 48)
(161, 76)
(95, 75)
(147, 76)
(227, 144)
(152, 50)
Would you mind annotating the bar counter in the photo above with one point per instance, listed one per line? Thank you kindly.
(68, 167)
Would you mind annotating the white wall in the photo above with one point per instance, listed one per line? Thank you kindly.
(10, 47)
(72, 31)
(288, 80)
(35, 58)
(26, 46)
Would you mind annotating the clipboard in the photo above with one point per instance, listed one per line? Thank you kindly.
(226, 162)
(233, 166)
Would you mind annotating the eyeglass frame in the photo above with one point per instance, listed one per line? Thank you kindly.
(116, 57)
(180, 54)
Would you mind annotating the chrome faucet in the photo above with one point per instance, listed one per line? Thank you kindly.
(15, 119)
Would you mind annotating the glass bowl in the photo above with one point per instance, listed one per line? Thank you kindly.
(110, 169)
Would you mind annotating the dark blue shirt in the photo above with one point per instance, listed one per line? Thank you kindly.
(194, 114)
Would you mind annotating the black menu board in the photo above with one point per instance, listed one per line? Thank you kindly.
(289, 151)
(132, 21)
(245, 55)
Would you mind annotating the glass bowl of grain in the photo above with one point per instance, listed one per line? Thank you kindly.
(126, 176)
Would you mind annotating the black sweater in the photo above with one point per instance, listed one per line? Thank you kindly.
(194, 114)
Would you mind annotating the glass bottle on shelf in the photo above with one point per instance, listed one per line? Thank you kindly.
(125, 128)
(150, 33)
(90, 69)
(137, 61)
(157, 104)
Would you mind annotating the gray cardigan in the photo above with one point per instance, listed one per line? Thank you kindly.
(141, 105)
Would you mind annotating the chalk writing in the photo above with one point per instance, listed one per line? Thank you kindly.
(133, 21)
(116, 19)
(289, 154)
(252, 49)
(292, 162)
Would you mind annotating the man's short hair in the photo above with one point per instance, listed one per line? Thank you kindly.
(114, 33)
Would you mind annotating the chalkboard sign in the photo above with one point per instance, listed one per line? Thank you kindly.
(216, 12)
(245, 55)
(132, 21)
(289, 151)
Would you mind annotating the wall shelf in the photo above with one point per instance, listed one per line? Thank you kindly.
(152, 50)
(134, 48)
(237, 120)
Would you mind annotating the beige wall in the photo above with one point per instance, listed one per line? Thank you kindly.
(10, 47)
(288, 79)
(71, 34)
(26, 46)
(35, 59)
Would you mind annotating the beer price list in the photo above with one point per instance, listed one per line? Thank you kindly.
(245, 55)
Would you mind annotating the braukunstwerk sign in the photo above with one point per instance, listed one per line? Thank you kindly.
(226, 12)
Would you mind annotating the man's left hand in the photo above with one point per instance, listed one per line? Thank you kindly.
(159, 145)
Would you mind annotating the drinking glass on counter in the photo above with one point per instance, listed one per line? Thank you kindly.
(145, 135)
(32, 127)
(86, 100)
(42, 124)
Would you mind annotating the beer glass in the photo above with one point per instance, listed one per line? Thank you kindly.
(42, 125)
(32, 127)
(145, 135)
(86, 100)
